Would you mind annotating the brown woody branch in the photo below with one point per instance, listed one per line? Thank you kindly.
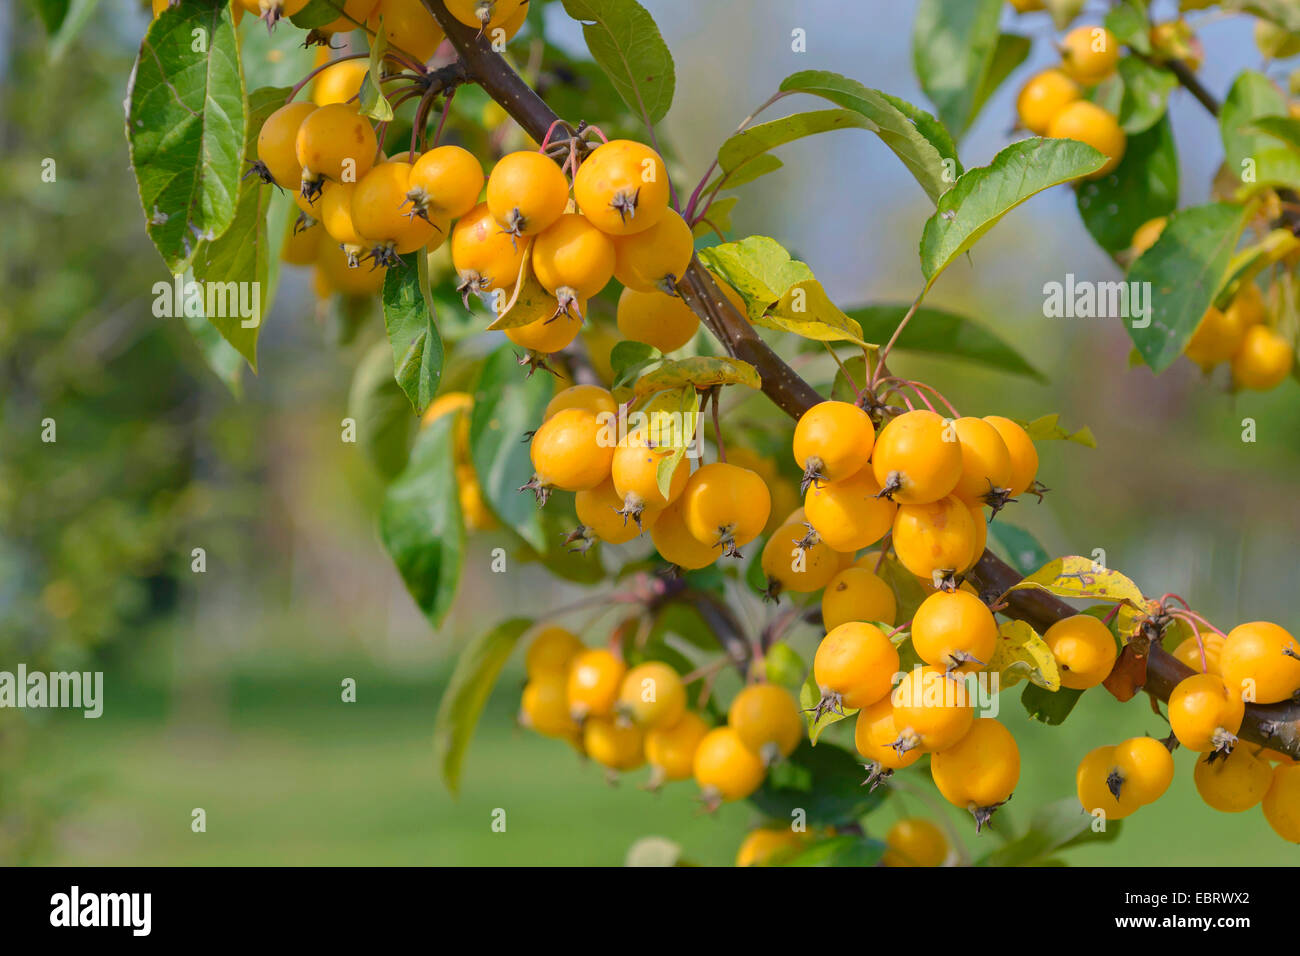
(1276, 726)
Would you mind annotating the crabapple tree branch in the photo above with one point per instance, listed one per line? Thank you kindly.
(1276, 726)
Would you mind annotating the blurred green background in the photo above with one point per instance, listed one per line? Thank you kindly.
(223, 689)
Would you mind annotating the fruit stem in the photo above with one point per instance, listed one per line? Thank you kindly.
(884, 352)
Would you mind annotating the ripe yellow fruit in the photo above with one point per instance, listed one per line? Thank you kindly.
(858, 594)
(1145, 768)
(482, 14)
(410, 27)
(980, 771)
(917, 458)
(339, 82)
(1024, 456)
(1043, 97)
(725, 768)
(572, 259)
(595, 678)
(855, 665)
(335, 211)
(1261, 662)
(1263, 361)
(473, 507)
(932, 709)
(652, 695)
(1146, 235)
(1089, 123)
(544, 707)
(954, 630)
(1084, 649)
(915, 841)
(675, 543)
(1203, 714)
(485, 257)
(334, 270)
(273, 11)
(670, 751)
(526, 192)
(1091, 784)
(1282, 803)
(612, 744)
(551, 653)
(1089, 54)
(1217, 338)
(849, 514)
(591, 398)
(337, 143)
(300, 246)
(655, 318)
(352, 17)
(567, 452)
(833, 441)
(768, 845)
(635, 470)
(767, 720)
(622, 187)
(600, 511)
(725, 506)
(985, 462)
(446, 182)
(655, 258)
(936, 540)
(792, 567)
(1189, 652)
(875, 734)
(277, 144)
(549, 334)
(377, 212)
(1233, 782)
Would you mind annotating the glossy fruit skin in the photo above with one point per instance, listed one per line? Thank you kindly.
(478, 516)
(675, 543)
(339, 82)
(551, 652)
(1263, 361)
(612, 744)
(484, 257)
(652, 695)
(724, 504)
(1043, 97)
(915, 841)
(858, 594)
(1216, 339)
(1089, 123)
(655, 258)
(768, 845)
(591, 398)
(595, 678)
(671, 750)
(334, 209)
(410, 27)
(1146, 768)
(725, 768)
(935, 539)
(986, 461)
(635, 470)
(336, 143)
(447, 181)
(566, 453)
(874, 735)
(277, 144)
(598, 511)
(573, 254)
(1084, 649)
(1199, 706)
(622, 187)
(1089, 54)
(834, 440)
(924, 719)
(481, 14)
(1189, 652)
(526, 192)
(1232, 783)
(1024, 456)
(333, 267)
(981, 769)
(849, 514)
(767, 720)
(1146, 235)
(273, 10)
(918, 455)
(1282, 803)
(547, 335)
(354, 12)
(301, 248)
(1263, 657)
(377, 210)
(656, 318)
(544, 707)
(952, 626)
(817, 563)
(857, 662)
(1091, 787)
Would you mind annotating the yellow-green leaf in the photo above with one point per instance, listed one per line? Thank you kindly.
(1078, 577)
(1254, 259)
(1048, 428)
(672, 418)
(701, 372)
(1021, 654)
(527, 301)
(809, 696)
(806, 310)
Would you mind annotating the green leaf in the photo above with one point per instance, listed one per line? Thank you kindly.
(1018, 546)
(1185, 269)
(506, 406)
(1285, 128)
(1258, 157)
(758, 268)
(939, 332)
(1049, 707)
(1052, 827)
(673, 419)
(809, 696)
(983, 196)
(316, 13)
(185, 127)
(476, 673)
(1048, 428)
(51, 12)
(698, 372)
(824, 781)
(1143, 187)
(746, 173)
(79, 13)
(916, 137)
(1011, 50)
(627, 359)
(624, 39)
(748, 145)
(220, 355)
(1145, 99)
(372, 101)
(1129, 22)
(806, 310)
(408, 317)
(420, 521)
(846, 850)
(378, 406)
(1282, 12)
(1022, 654)
(953, 45)
(248, 252)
